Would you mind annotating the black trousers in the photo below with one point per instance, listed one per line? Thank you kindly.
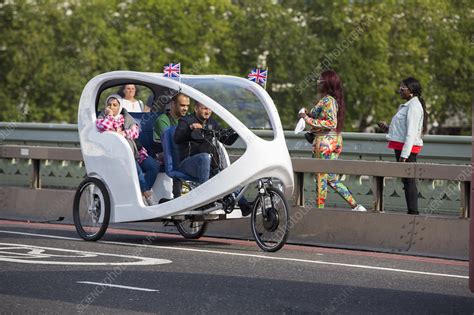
(409, 185)
(177, 185)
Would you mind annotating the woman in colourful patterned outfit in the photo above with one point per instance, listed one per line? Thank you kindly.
(326, 120)
(115, 118)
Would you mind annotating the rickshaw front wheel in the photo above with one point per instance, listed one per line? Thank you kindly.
(191, 229)
(270, 219)
(91, 209)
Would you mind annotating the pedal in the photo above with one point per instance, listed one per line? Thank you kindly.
(228, 203)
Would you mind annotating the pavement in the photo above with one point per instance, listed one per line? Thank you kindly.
(47, 268)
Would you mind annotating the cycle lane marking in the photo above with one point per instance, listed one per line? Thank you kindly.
(32, 254)
(318, 262)
(118, 286)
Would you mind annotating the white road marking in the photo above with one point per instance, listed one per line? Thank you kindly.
(319, 262)
(118, 286)
(35, 252)
(296, 260)
(38, 252)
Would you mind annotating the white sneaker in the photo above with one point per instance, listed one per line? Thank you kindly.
(151, 201)
(360, 208)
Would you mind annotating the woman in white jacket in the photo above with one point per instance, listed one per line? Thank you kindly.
(405, 134)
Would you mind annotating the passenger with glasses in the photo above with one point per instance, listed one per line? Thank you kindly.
(405, 134)
(327, 120)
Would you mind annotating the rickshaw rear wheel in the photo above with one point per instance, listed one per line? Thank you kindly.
(191, 229)
(91, 209)
(270, 220)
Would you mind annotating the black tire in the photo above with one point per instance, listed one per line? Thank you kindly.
(91, 209)
(191, 229)
(271, 232)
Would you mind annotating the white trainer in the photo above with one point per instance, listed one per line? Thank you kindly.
(360, 208)
(151, 201)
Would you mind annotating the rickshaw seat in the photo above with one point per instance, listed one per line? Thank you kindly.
(171, 156)
(146, 121)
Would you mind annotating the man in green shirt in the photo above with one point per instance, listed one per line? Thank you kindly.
(179, 108)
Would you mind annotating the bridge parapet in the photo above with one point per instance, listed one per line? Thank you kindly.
(441, 196)
(444, 189)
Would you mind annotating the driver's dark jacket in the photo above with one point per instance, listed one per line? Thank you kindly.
(191, 142)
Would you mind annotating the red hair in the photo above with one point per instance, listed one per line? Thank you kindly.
(332, 85)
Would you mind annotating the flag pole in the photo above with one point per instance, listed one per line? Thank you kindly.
(265, 85)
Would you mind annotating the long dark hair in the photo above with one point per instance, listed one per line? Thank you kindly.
(332, 85)
(415, 87)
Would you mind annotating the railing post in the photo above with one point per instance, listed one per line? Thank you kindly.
(378, 193)
(471, 223)
(35, 176)
(298, 195)
(465, 199)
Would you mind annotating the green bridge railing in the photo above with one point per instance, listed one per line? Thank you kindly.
(357, 146)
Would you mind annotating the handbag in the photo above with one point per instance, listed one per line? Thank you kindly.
(309, 137)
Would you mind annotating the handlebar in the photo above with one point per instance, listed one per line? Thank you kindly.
(227, 136)
(227, 132)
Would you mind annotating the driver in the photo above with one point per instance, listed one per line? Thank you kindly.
(199, 157)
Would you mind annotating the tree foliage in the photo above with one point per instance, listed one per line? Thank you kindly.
(50, 49)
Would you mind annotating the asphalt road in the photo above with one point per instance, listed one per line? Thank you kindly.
(46, 268)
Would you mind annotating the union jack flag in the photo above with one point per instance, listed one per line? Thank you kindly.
(258, 75)
(172, 70)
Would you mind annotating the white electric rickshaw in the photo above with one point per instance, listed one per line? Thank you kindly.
(111, 193)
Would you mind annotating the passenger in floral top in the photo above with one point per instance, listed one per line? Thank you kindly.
(116, 119)
(326, 120)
